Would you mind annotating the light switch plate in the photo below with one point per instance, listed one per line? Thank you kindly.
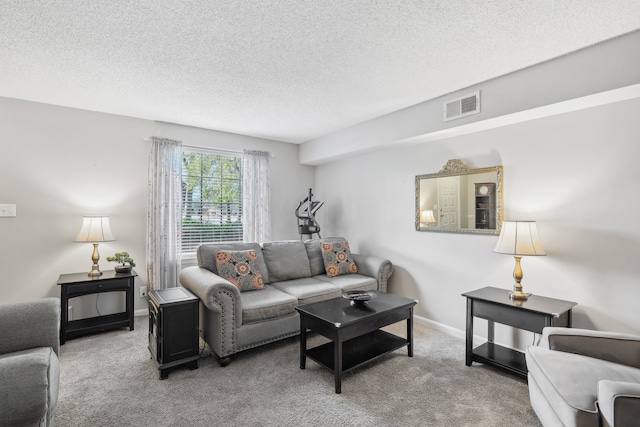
(7, 210)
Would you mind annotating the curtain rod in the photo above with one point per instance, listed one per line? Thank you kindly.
(198, 147)
(148, 139)
(212, 149)
(221, 150)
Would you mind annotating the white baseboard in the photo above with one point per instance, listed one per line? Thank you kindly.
(459, 333)
(449, 330)
(142, 312)
(454, 332)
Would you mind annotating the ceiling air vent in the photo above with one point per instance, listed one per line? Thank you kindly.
(461, 107)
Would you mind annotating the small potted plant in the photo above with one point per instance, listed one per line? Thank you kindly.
(125, 262)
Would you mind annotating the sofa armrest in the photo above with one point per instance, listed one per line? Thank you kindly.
(612, 346)
(217, 294)
(619, 403)
(379, 268)
(30, 324)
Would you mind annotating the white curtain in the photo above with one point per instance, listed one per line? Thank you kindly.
(256, 207)
(164, 222)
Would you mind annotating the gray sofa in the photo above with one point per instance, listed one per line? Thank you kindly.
(585, 378)
(29, 366)
(294, 274)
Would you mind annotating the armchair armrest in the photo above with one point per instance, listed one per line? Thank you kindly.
(612, 346)
(217, 294)
(29, 387)
(30, 324)
(619, 403)
(376, 267)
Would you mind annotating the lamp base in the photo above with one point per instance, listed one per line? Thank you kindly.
(519, 295)
(95, 272)
(95, 257)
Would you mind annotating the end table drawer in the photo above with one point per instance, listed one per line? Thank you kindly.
(91, 288)
(510, 316)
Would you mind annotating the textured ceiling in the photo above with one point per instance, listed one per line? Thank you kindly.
(290, 70)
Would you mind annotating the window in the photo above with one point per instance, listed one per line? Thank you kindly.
(212, 199)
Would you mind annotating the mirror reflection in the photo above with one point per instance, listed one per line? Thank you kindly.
(460, 200)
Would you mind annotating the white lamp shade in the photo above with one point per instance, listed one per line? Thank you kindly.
(95, 229)
(519, 238)
(427, 216)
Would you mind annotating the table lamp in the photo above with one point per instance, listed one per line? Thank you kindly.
(519, 238)
(427, 217)
(95, 229)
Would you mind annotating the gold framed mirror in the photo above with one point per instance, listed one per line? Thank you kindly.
(460, 200)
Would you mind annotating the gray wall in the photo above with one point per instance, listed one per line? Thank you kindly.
(575, 173)
(57, 164)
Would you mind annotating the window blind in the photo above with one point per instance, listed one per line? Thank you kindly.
(212, 198)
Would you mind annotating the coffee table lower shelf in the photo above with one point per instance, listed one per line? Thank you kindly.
(358, 350)
(502, 357)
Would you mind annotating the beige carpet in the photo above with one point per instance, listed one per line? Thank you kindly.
(108, 379)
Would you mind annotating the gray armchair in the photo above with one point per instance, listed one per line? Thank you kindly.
(29, 366)
(580, 377)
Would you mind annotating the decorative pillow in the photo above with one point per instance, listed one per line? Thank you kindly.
(286, 260)
(337, 258)
(240, 268)
(314, 253)
(207, 255)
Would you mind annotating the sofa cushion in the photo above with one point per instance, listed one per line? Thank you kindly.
(240, 268)
(337, 258)
(269, 303)
(29, 386)
(286, 260)
(349, 282)
(570, 382)
(308, 289)
(314, 252)
(207, 255)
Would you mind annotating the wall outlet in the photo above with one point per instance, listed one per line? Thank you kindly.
(8, 210)
(143, 291)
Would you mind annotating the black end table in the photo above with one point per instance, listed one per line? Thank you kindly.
(494, 305)
(78, 284)
(354, 331)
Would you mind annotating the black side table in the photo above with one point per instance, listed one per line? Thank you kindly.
(494, 305)
(173, 329)
(78, 284)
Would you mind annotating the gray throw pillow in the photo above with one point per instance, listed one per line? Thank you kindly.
(314, 252)
(286, 260)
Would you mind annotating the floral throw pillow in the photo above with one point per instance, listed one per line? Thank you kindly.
(337, 258)
(240, 268)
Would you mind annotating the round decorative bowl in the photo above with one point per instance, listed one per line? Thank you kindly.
(359, 298)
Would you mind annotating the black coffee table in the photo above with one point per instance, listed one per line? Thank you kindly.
(354, 331)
